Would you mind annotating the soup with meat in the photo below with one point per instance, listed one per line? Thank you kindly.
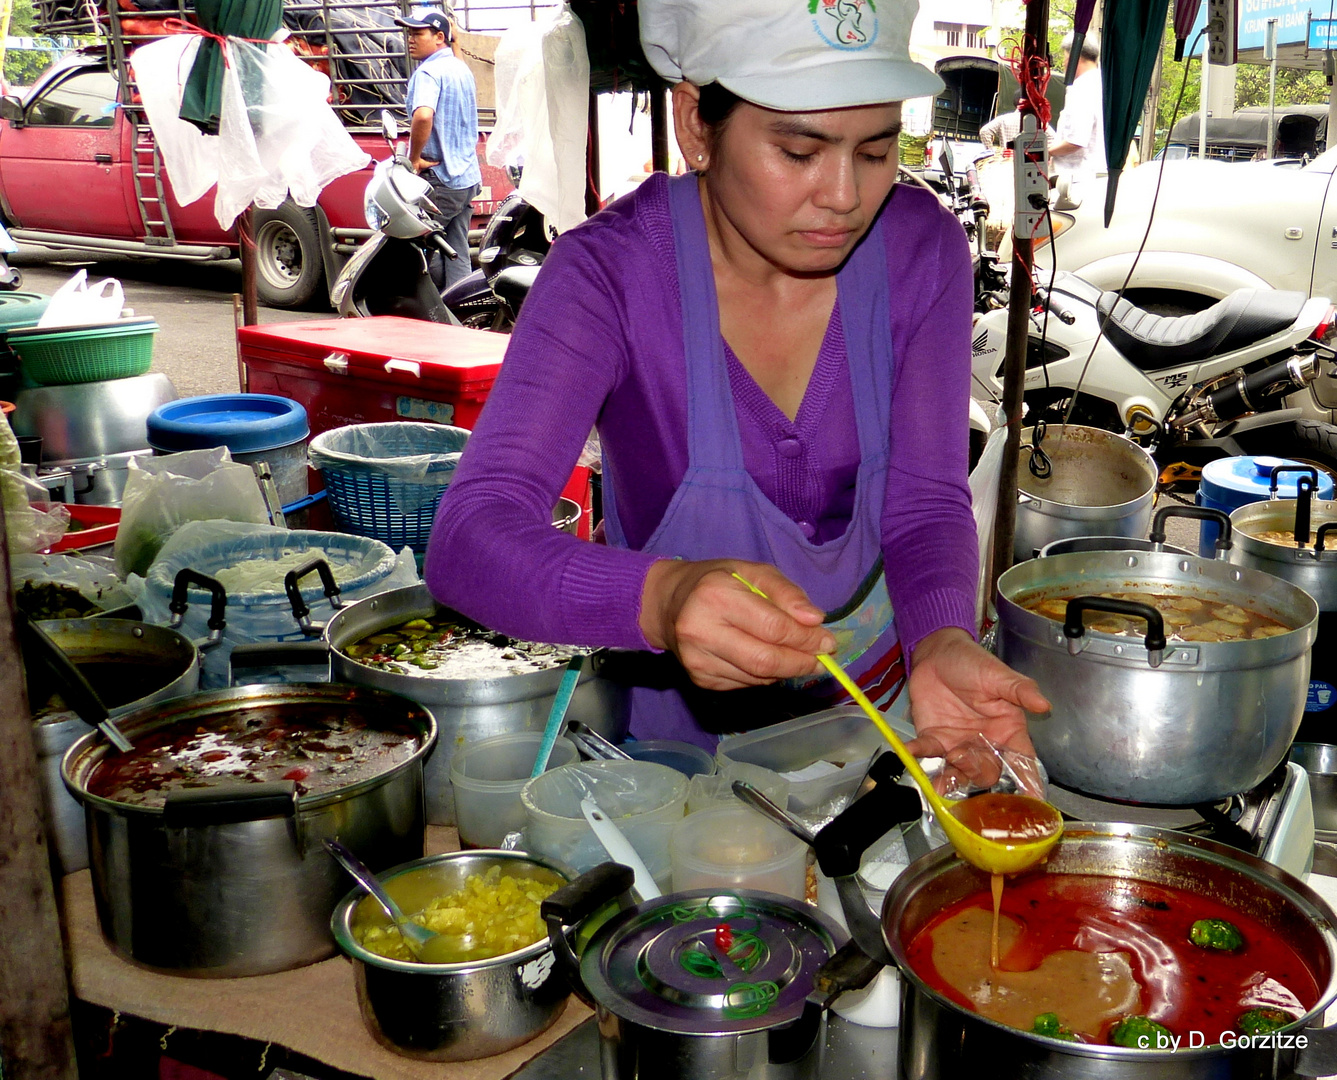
(1111, 960)
(1186, 617)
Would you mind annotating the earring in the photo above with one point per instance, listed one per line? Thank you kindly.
(700, 157)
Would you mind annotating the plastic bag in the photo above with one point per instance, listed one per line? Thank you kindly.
(163, 493)
(28, 528)
(542, 77)
(976, 766)
(277, 137)
(93, 576)
(76, 303)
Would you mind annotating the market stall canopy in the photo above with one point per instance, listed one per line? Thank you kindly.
(202, 100)
(1186, 14)
(1130, 46)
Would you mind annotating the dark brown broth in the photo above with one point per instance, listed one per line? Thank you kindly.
(1187, 617)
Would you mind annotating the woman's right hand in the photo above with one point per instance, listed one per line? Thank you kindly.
(725, 636)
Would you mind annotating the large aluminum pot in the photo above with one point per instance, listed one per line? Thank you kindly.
(941, 1040)
(467, 710)
(453, 1012)
(1101, 484)
(165, 665)
(1312, 568)
(1137, 720)
(240, 884)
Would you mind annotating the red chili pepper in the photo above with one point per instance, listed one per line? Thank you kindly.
(298, 773)
(723, 937)
(214, 755)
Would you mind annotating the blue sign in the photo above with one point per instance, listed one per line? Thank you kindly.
(1322, 33)
(1322, 696)
(1293, 18)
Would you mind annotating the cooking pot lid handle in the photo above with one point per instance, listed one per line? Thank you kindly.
(1074, 629)
(300, 611)
(1304, 470)
(229, 804)
(1202, 513)
(573, 903)
(1322, 535)
(841, 842)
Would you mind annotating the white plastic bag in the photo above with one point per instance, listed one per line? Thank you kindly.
(542, 77)
(984, 498)
(76, 303)
(28, 528)
(163, 493)
(277, 135)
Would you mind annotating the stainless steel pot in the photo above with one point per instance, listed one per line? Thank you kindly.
(1140, 721)
(941, 1039)
(661, 1019)
(1101, 484)
(238, 883)
(174, 656)
(92, 420)
(1312, 568)
(465, 710)
(453, 1012)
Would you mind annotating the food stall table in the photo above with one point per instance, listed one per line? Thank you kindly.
(311, 1010)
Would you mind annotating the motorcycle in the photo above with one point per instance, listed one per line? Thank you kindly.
(1252, 374)
(9, 277)
(512, 250)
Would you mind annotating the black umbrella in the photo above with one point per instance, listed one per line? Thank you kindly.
(1130, 44)
(202, 98)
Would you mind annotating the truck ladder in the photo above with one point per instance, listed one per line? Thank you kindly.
(146, 168)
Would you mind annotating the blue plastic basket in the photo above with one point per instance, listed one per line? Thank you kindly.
(386, 480)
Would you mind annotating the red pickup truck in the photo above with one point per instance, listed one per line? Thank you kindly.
(79, 169)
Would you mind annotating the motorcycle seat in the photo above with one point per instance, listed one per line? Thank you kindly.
(1152, 342)
(513, 285)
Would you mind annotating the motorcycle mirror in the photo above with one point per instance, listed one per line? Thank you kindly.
(389, 127)
(946, 159)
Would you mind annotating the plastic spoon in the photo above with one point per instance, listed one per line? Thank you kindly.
(557, 714)
(991, 856)
(619, 847)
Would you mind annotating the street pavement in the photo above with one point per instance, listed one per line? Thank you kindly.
(196, 346)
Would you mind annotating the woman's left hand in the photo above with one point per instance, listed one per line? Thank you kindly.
(958, 689)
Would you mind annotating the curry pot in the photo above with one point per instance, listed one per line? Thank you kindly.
(240, 884)
(1101, 484)
(941, 1039)
(1312, 568)
(1141, 721)
(465, 710)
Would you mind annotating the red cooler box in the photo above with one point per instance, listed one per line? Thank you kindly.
(365, 371)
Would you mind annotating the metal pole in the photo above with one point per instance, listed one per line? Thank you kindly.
(659, 124)
(1270, 51)
(36, 1042)
(1202, 89)
(1034, 44)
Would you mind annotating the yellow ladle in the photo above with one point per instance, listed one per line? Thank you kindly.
(990, 855)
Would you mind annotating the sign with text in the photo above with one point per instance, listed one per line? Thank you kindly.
(1322, 33)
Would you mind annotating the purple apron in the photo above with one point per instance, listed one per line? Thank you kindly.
(719, 511)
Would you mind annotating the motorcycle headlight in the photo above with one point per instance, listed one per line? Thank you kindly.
(377, 218)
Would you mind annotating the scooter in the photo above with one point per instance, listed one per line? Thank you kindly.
(9, 277)
(1253, 374)
(513, 247)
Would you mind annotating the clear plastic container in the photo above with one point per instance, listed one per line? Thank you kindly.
(687, 759)
(734, 847)
(487, 776)
(644, 799)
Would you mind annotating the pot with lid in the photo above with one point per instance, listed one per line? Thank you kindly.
(1188, 684)
(699, 983)
(205, 841)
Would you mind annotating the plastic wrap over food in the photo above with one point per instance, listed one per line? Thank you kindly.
(45, 579)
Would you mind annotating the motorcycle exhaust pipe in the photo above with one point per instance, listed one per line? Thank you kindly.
(1253, 392)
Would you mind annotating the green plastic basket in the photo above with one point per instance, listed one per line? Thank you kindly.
(55, 356)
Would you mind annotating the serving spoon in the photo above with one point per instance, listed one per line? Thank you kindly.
(1014, 850)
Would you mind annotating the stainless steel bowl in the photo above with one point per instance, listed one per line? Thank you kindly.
(91, 420)
(453, 1012)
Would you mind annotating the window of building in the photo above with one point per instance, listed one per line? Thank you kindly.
(948, 33)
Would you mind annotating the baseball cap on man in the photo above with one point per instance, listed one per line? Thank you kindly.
(427, 17)
(790, 55)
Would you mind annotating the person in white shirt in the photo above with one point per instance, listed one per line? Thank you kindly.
(1000, 132)
(1080, 148)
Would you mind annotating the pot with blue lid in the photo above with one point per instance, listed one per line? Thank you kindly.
(1229, 483)
(254, 427)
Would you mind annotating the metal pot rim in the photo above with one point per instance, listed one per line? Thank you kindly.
(341, 919)
(1282, 512)
(927, 867)
(208, 702)
(1106, 439)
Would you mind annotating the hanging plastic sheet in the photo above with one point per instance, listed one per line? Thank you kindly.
(277, 135)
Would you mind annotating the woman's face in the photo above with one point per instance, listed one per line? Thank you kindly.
(801, 188)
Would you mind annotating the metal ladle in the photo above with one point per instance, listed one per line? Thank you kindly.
(991, 856)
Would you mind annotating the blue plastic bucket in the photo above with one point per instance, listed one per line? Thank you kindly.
(1229, 483)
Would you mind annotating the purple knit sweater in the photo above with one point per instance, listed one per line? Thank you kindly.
(600, 344)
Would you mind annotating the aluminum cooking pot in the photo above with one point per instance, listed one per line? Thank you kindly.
(1139, 720)
(453, 1012)
(677, 997)
(1098, 484)
(465, 710)
(238, 883)
(1311, 565)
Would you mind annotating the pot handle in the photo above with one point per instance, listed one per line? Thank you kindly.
(194, 807)
(1074, 630)
(217, 604)
(1306, 470)
(1224, 541)
(277, 654)
(1322, 535)
(300, 611)
(572, 904)
(1319, 1057)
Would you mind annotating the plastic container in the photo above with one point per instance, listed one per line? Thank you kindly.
(646, 800)
(824, 756)
(1229, 483)
(58, 355)
(687, 759)
(386, 480)
(254, 428)
(18, 310)
(487, 776)
(97, 526)
(734, 847)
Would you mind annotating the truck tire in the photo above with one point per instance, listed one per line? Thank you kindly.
(289, 269)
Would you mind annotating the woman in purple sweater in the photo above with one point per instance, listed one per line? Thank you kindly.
(775, 351)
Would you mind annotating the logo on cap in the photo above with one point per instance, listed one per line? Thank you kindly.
(845, 24)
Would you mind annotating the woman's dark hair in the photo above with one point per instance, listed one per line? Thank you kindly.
(716, 105)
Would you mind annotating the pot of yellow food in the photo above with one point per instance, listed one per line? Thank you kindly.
(503, 990)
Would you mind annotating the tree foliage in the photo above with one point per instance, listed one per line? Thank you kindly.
(22, 66)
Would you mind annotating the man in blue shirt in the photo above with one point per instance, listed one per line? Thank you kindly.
(443, 129)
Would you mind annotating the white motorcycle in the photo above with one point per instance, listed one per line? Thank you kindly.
(1252, 374)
